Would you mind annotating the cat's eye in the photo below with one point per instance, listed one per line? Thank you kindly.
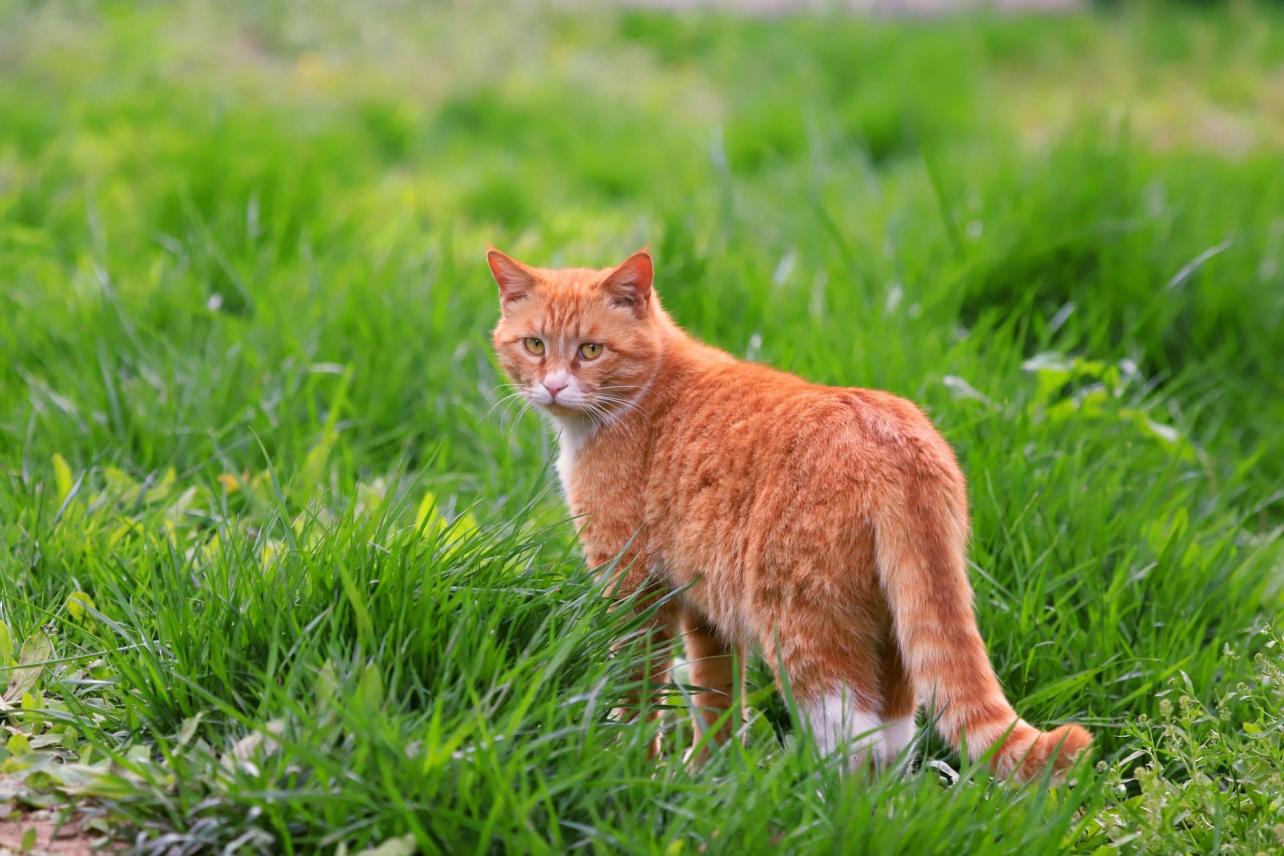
(533, 345)
(590, 351)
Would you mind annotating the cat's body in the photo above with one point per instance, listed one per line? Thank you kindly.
(825, 527)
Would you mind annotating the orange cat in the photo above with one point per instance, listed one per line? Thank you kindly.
(825, 526)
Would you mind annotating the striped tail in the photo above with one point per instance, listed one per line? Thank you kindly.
(921, 566)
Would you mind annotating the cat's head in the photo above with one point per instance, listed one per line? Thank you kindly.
(576, 340)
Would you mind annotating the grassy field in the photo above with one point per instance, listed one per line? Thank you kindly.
(277, 574)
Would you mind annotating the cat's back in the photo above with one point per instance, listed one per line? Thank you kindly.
(741, 426)
(755, 470)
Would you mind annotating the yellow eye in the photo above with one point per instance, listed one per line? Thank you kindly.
(590, 350)
(533, 345)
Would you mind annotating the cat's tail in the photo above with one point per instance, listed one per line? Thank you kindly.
(921, 566)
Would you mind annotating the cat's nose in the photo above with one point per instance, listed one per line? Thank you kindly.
(554, 387)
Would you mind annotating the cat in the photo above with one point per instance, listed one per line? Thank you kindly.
(825, 527)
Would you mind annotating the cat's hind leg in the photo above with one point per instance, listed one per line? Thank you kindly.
(842, 720)
(899, 705)
(832, 669)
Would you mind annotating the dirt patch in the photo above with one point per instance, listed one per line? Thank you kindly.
(51, 839)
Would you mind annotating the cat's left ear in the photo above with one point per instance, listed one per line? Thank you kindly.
(629, 285)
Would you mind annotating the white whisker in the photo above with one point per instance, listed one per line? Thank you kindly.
(505, 400)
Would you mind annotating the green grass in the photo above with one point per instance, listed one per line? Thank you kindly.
(304, 586)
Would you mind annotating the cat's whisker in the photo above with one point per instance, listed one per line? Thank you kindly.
(505, 400)
(490, 393)
(623, 406)
(604, 400)
(598, 414)
(512, 426)
(499, 404)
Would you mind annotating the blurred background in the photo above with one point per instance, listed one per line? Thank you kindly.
(1110, 173)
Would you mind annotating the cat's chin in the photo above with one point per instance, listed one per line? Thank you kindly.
(565, 411)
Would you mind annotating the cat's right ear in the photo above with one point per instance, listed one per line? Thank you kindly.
(629, 284)
(515, 280)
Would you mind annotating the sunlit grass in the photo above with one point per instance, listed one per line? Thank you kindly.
(298, 580)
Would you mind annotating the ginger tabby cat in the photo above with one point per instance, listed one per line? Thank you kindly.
(826, 527)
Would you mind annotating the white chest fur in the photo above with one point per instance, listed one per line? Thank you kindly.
(572, 435)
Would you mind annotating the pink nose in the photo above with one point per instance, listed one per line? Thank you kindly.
(554, 388)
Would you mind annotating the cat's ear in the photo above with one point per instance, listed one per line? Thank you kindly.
(629, 285)
(515, 280)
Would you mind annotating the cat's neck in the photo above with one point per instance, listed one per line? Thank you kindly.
(681, 351)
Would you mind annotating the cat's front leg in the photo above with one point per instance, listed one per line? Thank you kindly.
(633, 588)
(717, 671)
(643, 701)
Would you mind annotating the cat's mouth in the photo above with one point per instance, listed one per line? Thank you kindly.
(561, 404)
(566, 408)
